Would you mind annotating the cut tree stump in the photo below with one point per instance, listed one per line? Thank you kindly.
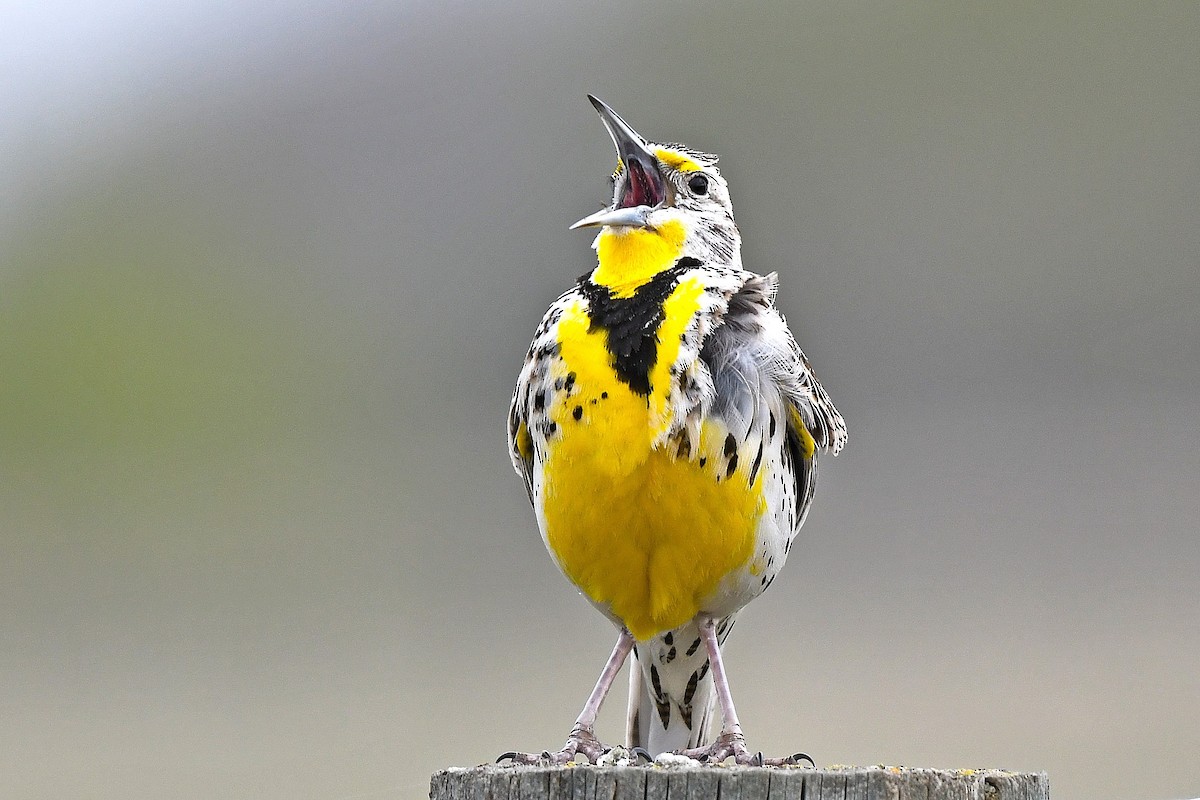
(653, 782)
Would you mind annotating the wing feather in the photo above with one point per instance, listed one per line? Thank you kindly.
(524, 413)
(753, 353)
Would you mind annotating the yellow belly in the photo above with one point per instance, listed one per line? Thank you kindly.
(651, 543)
(638, 528)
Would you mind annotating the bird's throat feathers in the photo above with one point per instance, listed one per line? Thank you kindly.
(631, 257)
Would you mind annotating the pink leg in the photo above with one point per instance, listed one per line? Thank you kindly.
(731, 742)
(583, 737)
(587, 717)
(731, 727)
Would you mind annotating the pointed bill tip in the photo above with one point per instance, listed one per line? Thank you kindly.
(623, 135)
(634, 217)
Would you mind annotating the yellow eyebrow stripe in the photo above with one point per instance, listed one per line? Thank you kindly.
(676, 160)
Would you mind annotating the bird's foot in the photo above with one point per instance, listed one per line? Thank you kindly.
(734, 744)
(581, 742)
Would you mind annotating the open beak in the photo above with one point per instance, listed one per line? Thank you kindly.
(641, 187)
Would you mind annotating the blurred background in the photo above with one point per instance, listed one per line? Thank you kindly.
(267, 275)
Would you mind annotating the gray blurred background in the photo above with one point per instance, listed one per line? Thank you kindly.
(267, 274)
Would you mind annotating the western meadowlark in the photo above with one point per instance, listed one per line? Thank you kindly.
(666, 425)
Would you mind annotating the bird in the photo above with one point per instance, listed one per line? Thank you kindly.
(667, 426)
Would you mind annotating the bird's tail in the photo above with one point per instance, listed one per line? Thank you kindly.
(672, 702)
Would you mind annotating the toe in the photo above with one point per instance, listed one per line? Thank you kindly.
(641, 752)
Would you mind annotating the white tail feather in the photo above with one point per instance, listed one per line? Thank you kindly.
(687, 705)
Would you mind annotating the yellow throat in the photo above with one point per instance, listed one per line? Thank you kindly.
(629, 257)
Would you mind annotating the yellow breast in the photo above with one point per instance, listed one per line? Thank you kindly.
(647, 531)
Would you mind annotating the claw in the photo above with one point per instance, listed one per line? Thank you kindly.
(726, 745)
(733, 744)
(582, 743)
(518, 757)
(641, 752)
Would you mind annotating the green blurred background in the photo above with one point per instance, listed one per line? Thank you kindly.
(267, 274)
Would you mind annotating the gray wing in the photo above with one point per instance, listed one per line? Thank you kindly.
(761, 380)
(753, 356)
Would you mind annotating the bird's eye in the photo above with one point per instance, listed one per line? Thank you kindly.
(698, 184)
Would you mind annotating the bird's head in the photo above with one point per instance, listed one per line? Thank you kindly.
(665, 192)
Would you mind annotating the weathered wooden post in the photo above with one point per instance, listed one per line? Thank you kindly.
(656, 782)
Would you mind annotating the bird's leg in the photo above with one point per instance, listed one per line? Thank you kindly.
(582, 739)
(731, 742)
